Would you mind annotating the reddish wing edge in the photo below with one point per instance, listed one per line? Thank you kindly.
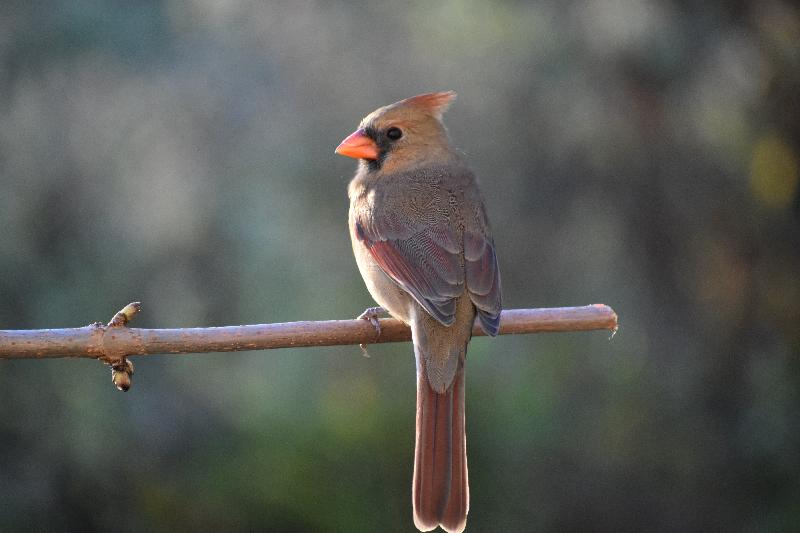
(415, 281)
(433, 275)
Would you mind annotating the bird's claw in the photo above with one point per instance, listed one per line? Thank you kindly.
(371, 315)
(364, 351)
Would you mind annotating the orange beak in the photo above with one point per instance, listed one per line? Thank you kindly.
(358, 146)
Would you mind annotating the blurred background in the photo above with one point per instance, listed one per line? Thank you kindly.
(642, 154)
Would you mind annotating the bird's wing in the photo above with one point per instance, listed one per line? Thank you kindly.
(483, 278)
(422, 254)
(424, 261)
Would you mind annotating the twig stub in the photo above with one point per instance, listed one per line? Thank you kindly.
(114, 348)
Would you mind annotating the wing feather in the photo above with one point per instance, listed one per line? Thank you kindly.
(423, 254)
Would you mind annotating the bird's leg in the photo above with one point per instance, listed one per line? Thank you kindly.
(371, 314)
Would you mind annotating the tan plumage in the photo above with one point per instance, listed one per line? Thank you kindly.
(423, 246)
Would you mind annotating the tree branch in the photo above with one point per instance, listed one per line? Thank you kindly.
(110, 342)
(113, 342)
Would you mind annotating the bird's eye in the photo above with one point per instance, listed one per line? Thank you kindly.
(394, 133)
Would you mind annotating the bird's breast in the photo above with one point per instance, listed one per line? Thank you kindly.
(383, 289)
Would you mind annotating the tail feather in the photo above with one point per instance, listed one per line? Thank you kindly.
(441, 487)
(454, 517)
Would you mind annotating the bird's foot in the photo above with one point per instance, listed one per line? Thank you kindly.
(371, 314)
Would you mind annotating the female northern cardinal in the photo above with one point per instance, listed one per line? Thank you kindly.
(423, 245)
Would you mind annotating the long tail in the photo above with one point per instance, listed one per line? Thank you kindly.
(441, 487)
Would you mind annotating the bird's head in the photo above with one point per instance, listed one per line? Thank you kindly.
(403, 135)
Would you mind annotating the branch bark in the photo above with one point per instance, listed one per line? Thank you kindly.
(114, 341)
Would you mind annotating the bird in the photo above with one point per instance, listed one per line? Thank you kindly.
(422, 242)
